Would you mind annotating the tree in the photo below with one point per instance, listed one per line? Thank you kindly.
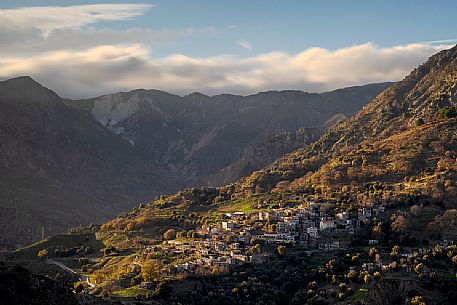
(79, 288)
(415, 210)
(420, 122)
(163, 290)
(367, 278)
(42, 253)
(372, 252)
(254, 249)
(418, 300)
(215, 272)
(130, 226)
(281, 250)
(150, 270)
(395, 251)
(377, 275)
(352, 275)
(169, 234)
(449, 112)
(419, 268)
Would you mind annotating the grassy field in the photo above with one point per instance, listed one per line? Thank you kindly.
(131, 292)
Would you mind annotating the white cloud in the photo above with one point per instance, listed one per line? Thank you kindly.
(245, 44)
(30, 41)
(110, 68)
(50, 18)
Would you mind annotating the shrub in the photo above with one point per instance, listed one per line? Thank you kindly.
(419, 122)
(169, 234)
(448, 112)
(42, 253)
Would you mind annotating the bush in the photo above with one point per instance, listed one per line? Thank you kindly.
(448, 112)
(420, 122)
(42, 253)
(169, 234)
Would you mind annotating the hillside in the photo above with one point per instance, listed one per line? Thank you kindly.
(265, 153)
(414, 114)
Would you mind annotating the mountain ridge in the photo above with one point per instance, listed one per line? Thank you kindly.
(62, 167)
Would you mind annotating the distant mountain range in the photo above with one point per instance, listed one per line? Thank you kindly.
(66, 162)
(196, 135)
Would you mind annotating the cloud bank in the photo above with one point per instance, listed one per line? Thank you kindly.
(61, 48)
(50, 18)
(109, 68)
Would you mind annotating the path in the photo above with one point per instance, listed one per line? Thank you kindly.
(82, 277)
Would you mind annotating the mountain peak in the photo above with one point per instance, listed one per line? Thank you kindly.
(21, 80)
(25, 88)
(196, 95)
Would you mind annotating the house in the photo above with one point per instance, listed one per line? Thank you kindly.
(263, 215)
(313, 232)
(281, 227)
(365, 212)
(228, 225)
(147, 285)
(240, 257)
(327, 224)
(373, 242)
(343, 215)
(368, 266)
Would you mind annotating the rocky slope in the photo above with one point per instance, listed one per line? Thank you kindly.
(197, 135)
(265, 153)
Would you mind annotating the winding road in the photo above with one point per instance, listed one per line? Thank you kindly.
(82, 277)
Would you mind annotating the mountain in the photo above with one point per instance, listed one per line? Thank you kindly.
(66, 163)
(195, 136)
(60, 168)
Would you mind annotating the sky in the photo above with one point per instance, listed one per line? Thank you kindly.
(83, 49)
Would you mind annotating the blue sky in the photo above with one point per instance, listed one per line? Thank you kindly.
(236, 40)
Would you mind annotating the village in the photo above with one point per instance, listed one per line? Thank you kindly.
(239, 237)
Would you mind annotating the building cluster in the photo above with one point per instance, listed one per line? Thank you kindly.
(232, 241)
